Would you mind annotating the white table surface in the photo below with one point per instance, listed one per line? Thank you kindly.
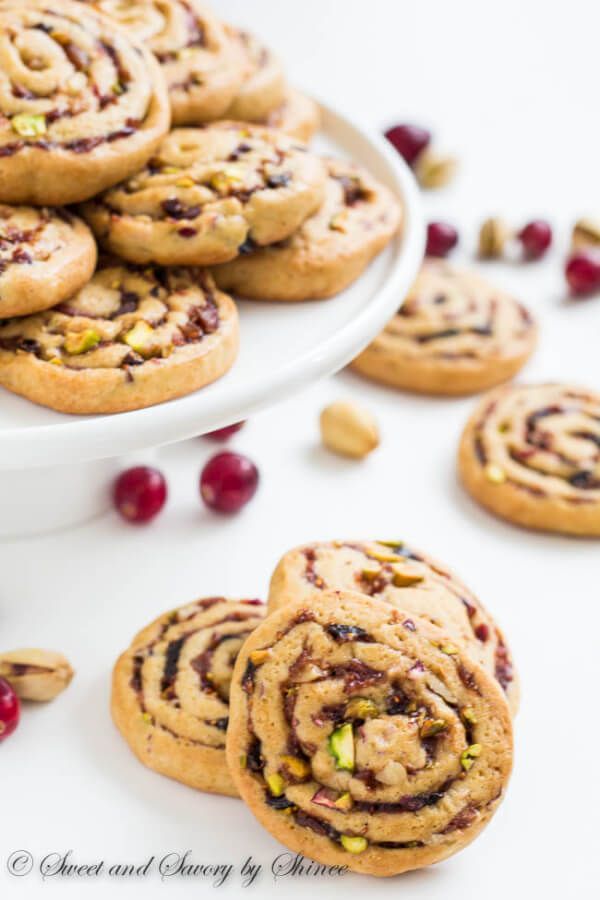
(513, 90)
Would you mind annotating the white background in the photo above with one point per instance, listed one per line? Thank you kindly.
(513, 89)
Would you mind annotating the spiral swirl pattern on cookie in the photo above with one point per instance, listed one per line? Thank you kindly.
(360, 735)
(72, 89)
(133, 337)
(45, 255)
(410, 580)
(171, 689)
(209, 194)
(455, 333)
(532, 454)
(201, 63)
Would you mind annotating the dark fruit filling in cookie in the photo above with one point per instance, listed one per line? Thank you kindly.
(425, 729)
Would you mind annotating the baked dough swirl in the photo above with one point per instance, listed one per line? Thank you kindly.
(329, 251)
(531, 454)
(170, 695)
(208, 194)
(361, 736)
(410, 580)
(203, 65)
(263, 88)
(130, 338)
(46, 255)
(454, 334)
(81, 106)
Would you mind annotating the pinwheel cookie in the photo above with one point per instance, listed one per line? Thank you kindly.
(129, 339)
(46, 255)
(329, 251)
(203, 66)
(531, 454)
(170, 694)
(208, 194)
(410, 580)
(81, 106)
(360, 736)
(298, 115)
(454, 334)
(263, 88)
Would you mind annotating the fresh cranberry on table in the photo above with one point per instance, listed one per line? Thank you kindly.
(223, 434)
(228, 481)
(583, 272)
(140, 493)
(535, 238)
(441, 239)
(10, 709)
(409, 141)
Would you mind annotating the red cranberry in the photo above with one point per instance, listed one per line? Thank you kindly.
(140, 493)
(228, 481)
(482, 632)
(10, 709)
(409, 140)
(223, 434)
(583, 272)
(535, 237)
(441, 239)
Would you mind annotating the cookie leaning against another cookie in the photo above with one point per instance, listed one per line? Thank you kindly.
(170, 691)
(129, 339)
(330, 250)
(207, 193)
(263, 88)
(454, 334)
(531, 454)
(406, 578)
(46, 255)
(359, 736)
(82, 106)
(202, 65)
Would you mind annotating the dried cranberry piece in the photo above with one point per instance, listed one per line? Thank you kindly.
(343, 633)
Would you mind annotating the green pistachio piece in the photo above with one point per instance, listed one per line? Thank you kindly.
(468, 714)
(468, 756)
(140, 337)
(431, 727)
(353, 844)
(276, 784)
(81, 341)
(402, 578)
(361, 708)
(341, 747)
(29, 125)
(296, 767)
(344, 802)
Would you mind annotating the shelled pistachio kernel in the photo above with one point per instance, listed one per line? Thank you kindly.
(349, 430)
(296, 767)
(586, 234)
(258, 657)
(493, 235)
(353, 843)
(361, 708)
(431, 727)
(77, 342)
(403, 578)
(276, 784)
(468, 756)
(468, 714)
(140, 337)
(495, 473)
(34, 674)
(27, 125)
(344, 802)
(435, 170)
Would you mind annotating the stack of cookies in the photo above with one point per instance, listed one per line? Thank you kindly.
(88, 93)
(364, 717)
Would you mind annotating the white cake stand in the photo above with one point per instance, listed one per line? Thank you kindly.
(55, 470)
